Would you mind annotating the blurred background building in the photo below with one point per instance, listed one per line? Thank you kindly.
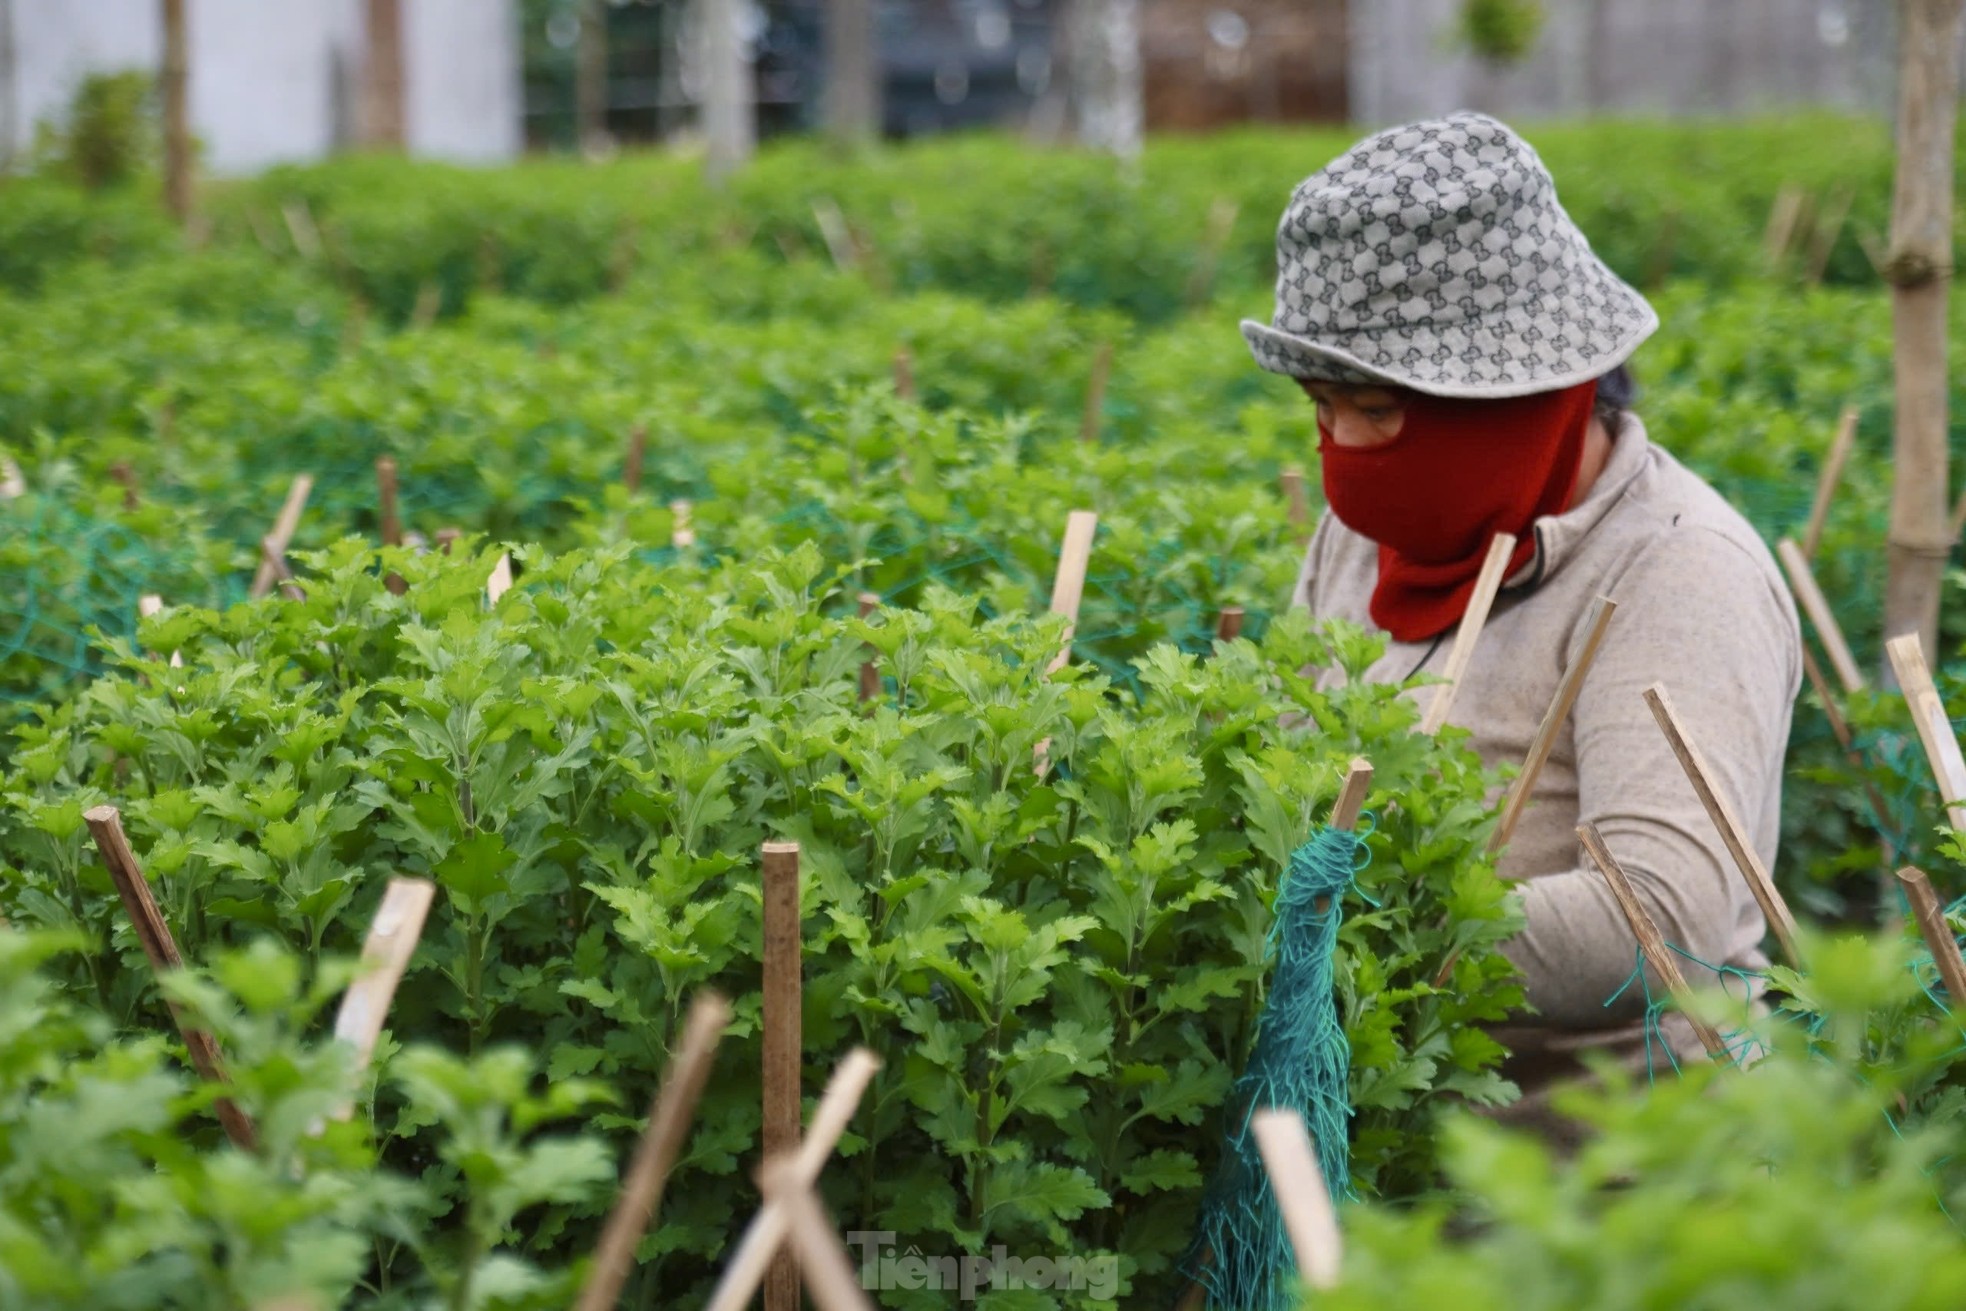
(484, 79)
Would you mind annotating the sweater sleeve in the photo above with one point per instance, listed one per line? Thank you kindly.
(1701, 615)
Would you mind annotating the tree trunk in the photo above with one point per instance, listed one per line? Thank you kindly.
(590, 79)
(9, 77)
(853, 72)
(177, 116)
(1108, 83)
(382, 77)
(1920, 272)
(730, 125)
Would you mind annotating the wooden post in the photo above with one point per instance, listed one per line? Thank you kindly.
(1829, 224)
(769, 1226)
(1928, 712)
(1068, 588)
(1802, 581)
(631, 468)
(1937, 933)
(904, 373)
(852, 95)
(1783, 216)
(781, 1036)
(656, 1153)
(1297, 1183)
(1826, 481)
(1657, 955)
(1517, 800)
(729, 89)
(1839, 727)
(386, 953)
(284, 527)
(1919, 269)
(154, 936)
(1095, 392)
(382, 76)
(1732, 832)
(682, 535)
(174, 85)
(870, 670)
(1228, 624)
(1494, 571)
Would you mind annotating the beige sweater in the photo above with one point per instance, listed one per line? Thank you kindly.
(1701, 609)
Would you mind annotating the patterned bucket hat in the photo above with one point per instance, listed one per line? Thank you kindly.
(1435, 256)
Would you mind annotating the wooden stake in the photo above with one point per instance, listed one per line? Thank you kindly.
(1068, 587)
(828, 1272)
(656, 1153)
(1928, 712)
(1782, 217)
(1567, 690)
(1351, 796)
(1840, 447)
(1298, 1185)
(834, 231)
(447, 538)
(1829, 223)
(782, 1007)
(385, 481)
(768, 1227)
(870, 670)
(106, 827)
(1732, 833)
(1494, 571)
(1095, 392)
(631, 468)
(1937, 933)
(1228, 624)
(276, 564)
(386, 953)
(12, 484)
(1657, 955)
(1802, 581)
(121, 472)
(500, 581)
(681, 536)
(904, 373)
(300, 226)
(284, 528)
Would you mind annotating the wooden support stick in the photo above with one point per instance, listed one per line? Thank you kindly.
(1351, 796)
(276, 564)
(870, 670)
(782, 1006)
(1068, 587)
(386, 953)
(500, 581)
(768, 1227)
(1826, 482)
(1095, 392)
(904, 373)
(1802, 581)
(122, 472)
(1828, 225)
(828, 1272)
(1934, 725)
(12, 484)
(1494, 571)
(1298, 500)
(284, 526)
(1783, 217)
(385, 486)
(1937, 933)
(656, 1153)
(631, 468)
(682, 535)
(300, 226)
(1572, 683)
(1657, 954)
(1839, 727)
(446, 538)
(835, 232)
(154, 936)
(1298, 1185)
(1732, 833)
(1228, 624)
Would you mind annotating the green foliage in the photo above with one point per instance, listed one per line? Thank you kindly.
(1501, 31)
(108, 135)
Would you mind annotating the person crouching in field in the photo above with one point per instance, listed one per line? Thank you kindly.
(1466, 354)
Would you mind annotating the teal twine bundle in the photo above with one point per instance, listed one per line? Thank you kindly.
(1302, 1062)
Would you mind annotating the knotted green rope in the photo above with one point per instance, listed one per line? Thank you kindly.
(1302, 1062)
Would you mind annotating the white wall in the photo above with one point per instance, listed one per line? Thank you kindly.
(273, 81)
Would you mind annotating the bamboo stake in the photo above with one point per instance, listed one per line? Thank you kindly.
(631, 468)
(1068, 587)
(1351, 795)
(682, 536)
(904, 373)
(834, 231)
(1732, 833)
(1228, 624)
(154, 936)
(1928, 712)
(1829, 224)
(1298, 1186)
(768, 1227)
(1095, 392)
(828, 1272)
(781, 1036)
(500, 581)
(1595, 623)
(284, 527)
(386, 953)
(1494, 570)
(1300, 503)
(276, 564)
(1782, 219)
(1937, 933)
(1657, 955)
(1802, 581)
(656, 1153)
(870, 670)
(1840, 447)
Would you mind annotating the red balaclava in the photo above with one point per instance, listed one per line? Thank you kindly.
(1459, 472)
